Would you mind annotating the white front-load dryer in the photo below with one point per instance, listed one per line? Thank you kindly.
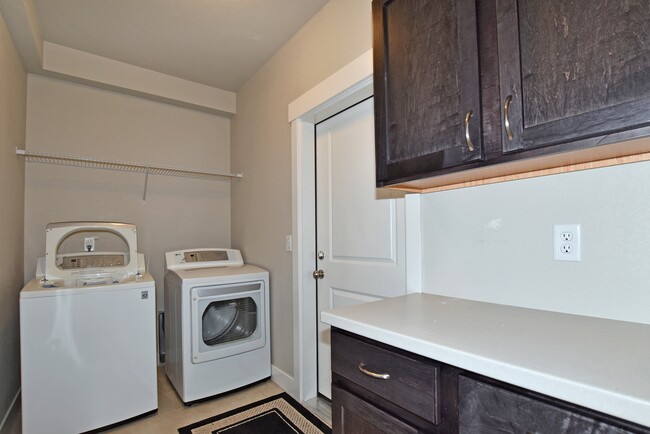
(217, 328)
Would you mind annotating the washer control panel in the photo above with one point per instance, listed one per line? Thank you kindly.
(203, 258)
(206, 256)
(91, 261)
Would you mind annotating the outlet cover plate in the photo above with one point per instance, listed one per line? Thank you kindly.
(89, 244)
(562, 243)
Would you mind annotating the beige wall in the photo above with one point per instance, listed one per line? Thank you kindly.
(72, 119)
(261, 148)
(13, 88)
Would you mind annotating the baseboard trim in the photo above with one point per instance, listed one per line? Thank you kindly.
(10, 412)
(285, 381)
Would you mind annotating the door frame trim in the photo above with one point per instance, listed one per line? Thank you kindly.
(346, 87)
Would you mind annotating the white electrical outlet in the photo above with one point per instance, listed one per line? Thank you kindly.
(566, 243)
(288, 243)
(566, 236)
(89, 244)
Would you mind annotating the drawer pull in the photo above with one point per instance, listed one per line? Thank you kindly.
(373, 374)
(506, 117)
(470, 145)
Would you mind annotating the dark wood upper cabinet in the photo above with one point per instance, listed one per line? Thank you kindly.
(539, 77)
(571, 70)
(427, 96)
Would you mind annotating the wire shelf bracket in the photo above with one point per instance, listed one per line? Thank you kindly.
(123, 166)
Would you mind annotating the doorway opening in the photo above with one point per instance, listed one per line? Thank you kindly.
(347, 87)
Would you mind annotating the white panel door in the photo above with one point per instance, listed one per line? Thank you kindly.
(360, 229)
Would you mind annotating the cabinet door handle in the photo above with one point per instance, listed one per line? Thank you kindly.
(506, 117)
(363, 369)
(470, 145)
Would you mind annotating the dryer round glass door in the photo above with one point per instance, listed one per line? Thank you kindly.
(227, 320)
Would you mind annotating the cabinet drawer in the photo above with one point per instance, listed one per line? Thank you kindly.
(352, 415)
(489, 409)
(412, 382)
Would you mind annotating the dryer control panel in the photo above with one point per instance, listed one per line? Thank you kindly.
(203, 258)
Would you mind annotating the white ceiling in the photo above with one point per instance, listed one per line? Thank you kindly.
(219, 43)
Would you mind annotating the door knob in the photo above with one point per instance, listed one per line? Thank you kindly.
(318, 274)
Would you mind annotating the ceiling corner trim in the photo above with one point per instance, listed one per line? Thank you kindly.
(107, 73)
(22, 21)
(353, 77)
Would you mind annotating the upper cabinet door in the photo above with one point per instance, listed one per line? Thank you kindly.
(427, 90)
(571, 70)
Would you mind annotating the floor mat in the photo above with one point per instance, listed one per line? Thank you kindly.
(278, 414)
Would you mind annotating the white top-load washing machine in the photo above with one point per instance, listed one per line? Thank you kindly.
(217, 329)
(87, 331)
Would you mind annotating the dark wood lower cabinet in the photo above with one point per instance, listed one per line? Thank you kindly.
(380, 389)
(489, 409)
(411, 382)
(445, 399)
(353, 415)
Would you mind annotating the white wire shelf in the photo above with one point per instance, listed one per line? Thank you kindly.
(123, 166)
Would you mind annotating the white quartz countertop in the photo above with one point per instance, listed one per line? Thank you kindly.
(597, 363)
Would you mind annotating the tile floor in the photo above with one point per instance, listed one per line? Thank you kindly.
(173, 414)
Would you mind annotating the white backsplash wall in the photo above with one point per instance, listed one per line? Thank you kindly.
(494, 243)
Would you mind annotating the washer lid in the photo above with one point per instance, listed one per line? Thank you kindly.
(203, 258)
(90, 252)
